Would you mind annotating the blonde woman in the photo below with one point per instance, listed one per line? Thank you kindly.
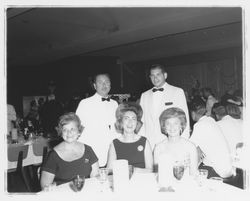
(173, 122)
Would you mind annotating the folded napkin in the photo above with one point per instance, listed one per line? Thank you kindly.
(165, 170)
(120, 175)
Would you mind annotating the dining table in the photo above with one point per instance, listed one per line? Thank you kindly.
(144, 186)
(31, 158)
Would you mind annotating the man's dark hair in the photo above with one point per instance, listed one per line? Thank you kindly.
(95, 76)
(198, 107)
(219, 109)
(160, 66)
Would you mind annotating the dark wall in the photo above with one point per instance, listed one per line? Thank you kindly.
(70, 75)
(218, 69)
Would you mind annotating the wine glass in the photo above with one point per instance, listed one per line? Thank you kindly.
(203, 173)
(77, 183)
(178, 170)
(103, 178)
(131, 170)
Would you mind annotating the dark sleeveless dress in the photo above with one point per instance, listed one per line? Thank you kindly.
(64, 171)
(133, 152)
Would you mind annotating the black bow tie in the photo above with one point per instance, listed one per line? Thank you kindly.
(155, 89)
(106, 99)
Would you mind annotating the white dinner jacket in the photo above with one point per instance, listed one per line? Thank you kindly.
(171, 97)
(98, 118)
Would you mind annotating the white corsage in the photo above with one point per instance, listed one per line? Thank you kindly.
(140, 148)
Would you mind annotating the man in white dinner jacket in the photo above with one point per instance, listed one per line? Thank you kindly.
(156, 100)
(97, 114)
(213, 148)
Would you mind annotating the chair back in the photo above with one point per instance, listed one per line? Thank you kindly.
(45, 153)
(13, 152)
(38, 148)
(239, 145)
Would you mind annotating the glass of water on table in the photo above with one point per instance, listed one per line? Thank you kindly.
(178, 169)
(103, 178)
(202, 177)
(77, 183)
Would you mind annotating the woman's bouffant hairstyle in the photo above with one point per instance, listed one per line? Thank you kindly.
(122, 109)
(173, 112)
(67, 118)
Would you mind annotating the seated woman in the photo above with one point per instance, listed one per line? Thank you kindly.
(173, 122)
(130, 146)
(70, 157)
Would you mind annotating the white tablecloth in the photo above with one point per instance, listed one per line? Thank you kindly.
(143, 186)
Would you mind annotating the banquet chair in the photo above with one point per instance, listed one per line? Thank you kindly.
(39, 149)
(237, 179)
(239, 145)
(18, 153)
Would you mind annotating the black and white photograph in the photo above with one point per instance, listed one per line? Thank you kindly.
(115, 101)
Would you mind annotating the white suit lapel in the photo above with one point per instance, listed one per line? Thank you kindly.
(150, 104)
(164, 99)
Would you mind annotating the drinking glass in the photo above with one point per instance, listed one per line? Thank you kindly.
(178, 170)
(77, 183)
(103, 178)
(131, 170)
(103, 174)
(203, 173)
(186, 161)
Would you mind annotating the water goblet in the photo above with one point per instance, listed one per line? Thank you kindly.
(103, 177)
(103, 174)
(203, 173)
(178, 170)
(131, 170)
(77, 183)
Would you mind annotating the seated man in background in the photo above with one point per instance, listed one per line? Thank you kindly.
(230, 126)
(213, 148)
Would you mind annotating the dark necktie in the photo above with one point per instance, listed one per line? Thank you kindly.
(106, 99)
(155, 89)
